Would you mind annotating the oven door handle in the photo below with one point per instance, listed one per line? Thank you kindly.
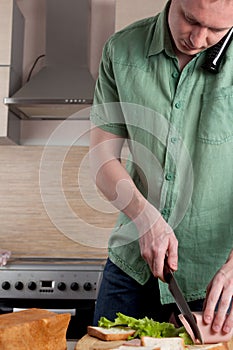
(58, 311)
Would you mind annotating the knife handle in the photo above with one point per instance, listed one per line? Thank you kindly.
(167, 272)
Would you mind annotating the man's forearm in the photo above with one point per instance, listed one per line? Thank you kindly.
(114, 181)
(117, 186)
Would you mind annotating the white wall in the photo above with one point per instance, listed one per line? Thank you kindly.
(128, 11)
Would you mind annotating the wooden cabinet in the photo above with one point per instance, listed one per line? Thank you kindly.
(11, 58)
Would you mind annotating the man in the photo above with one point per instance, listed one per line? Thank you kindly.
(176, 195)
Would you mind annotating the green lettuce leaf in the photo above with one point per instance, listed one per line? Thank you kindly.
(146, 327)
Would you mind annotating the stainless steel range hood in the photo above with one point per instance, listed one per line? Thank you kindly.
(64, 85)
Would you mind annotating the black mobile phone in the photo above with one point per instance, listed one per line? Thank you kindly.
(216, 53)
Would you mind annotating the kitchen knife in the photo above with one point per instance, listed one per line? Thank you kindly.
(180, 300)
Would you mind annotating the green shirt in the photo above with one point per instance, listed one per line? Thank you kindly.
(180, 131)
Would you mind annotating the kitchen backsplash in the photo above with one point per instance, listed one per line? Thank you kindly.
(49, 205)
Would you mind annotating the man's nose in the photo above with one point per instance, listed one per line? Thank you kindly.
(198, 37)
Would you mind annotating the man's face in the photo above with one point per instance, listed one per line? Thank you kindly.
(196, 25)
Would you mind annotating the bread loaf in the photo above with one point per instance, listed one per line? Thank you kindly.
(33, 329)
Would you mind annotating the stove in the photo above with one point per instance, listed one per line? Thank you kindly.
(50, 278)
(59, 285)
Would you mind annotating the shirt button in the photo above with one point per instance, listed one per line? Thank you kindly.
(170, 176)
(175, 75)
(165, 212)
(178, 105)
(174, 139)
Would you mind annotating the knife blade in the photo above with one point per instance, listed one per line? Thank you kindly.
(182, 304)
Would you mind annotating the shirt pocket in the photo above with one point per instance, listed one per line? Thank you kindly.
(216, 119)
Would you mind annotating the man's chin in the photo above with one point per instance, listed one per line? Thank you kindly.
(188, 51)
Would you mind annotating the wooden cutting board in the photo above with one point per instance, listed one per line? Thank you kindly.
(90, 343)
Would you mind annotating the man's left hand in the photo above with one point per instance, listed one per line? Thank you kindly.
(219, 293)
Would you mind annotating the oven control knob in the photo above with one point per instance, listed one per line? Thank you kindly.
(61, 286)
(19, 285)
(32, 285)
(6, 285)
(74, 286)
(87, 286)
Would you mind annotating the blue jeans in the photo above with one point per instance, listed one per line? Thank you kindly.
(120, 293)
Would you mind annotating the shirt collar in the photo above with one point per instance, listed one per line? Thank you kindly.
(161, 40)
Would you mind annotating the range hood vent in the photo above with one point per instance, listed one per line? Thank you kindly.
(64, 85)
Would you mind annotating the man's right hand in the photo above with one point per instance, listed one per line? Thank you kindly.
(157, 240)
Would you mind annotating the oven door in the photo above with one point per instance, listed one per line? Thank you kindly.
(81, 311)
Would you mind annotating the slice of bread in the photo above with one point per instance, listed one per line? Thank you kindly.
(178, 344)
(129, 347)
(108, 334)
(164, 345)
(218, 346)
(175, 343)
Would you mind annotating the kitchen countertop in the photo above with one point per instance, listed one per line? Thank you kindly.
(87, 342)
